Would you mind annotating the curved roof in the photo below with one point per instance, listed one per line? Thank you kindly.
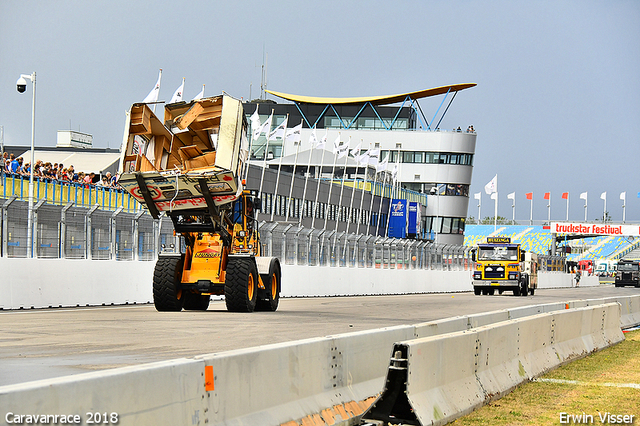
(375, 100)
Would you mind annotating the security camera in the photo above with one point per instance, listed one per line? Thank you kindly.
(21, 85)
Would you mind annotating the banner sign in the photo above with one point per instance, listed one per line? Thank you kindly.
(594, 229)
(398, 219)
(414, 219)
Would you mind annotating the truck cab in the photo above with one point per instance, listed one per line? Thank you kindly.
(628, 273)
(502, 265)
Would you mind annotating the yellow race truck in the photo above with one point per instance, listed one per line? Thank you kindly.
(189, 167)
(504, 266)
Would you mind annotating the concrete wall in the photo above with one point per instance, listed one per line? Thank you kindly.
(44, 283)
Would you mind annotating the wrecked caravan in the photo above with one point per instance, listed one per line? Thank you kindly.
(190, 168)
(163, 164)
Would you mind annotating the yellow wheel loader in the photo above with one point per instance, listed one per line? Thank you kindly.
(189, 168)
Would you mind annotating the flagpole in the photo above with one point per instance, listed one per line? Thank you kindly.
(346, 159)
(531, 213)
(549, 209)
(306, 180)
(279, 163)
(264, 164)
(353, 190)
(373, 184)
(293, 175)
(396, 169)
(373, 189)
(333, 170)
(495, 214)
(384, 189)
(315, 203)
(364, 186)
(567, 219)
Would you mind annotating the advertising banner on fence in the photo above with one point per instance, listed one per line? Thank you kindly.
(594, 229)
(398, 219)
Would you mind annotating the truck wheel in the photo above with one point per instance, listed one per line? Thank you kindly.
(491, 291)
(532, 291)
(241, 285)
(524, 285)
(516, 291)
(196, 302)
(167, 294)
(269, 298)
(477, 291)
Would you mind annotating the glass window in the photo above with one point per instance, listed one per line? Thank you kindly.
(446, 225)
(407, 157)
(428, 157)
(417, 157)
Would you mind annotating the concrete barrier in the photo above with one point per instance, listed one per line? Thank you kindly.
(490, 361)
(630, 309)
(44, 283)
(324, 380)
(39, 283)
(162, 393)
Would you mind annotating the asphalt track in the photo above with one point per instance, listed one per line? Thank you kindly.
(39, 344)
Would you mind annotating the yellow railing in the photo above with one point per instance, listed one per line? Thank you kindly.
(60, 193)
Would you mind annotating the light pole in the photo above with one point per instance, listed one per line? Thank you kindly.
(434, 191)
(22, 87)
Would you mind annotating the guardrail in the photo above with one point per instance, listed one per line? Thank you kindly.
(335, 378)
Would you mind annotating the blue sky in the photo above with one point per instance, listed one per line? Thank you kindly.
(556, 108)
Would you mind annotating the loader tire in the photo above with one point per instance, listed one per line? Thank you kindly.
(269, 298)
(241, 285)
(196, 302)
(167, 294)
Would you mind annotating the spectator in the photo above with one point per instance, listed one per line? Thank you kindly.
(14, 166)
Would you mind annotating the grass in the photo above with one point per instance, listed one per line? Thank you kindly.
(541, 402)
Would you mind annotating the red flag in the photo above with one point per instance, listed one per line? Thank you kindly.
(565, 195)
(547, 195)
(529, 195)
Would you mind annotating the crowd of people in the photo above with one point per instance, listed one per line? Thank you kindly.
(54, 172)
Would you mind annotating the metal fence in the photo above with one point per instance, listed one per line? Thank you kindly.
(92, 233)
(301, 246)
(73, 232)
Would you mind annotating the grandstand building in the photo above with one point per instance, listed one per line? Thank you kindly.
(434, 166)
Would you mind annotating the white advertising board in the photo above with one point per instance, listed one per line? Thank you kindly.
(594, 229)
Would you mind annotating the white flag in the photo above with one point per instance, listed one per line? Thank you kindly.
(294, 134)
(278, 132)
(266, 126)
(153, 94)
(382, 166)
(492, 186)
(336, 144)
(603, 196)
(313, 138)
(477, 196)
(255, 124)
(177, 95)
(623, 196)
(355, 152)
(512, 196)
(364, 159)
(343, 150)
(394, 172)
(322, 142)
(494, 196)
(583, 196)
(373, 156)
(201, 95)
